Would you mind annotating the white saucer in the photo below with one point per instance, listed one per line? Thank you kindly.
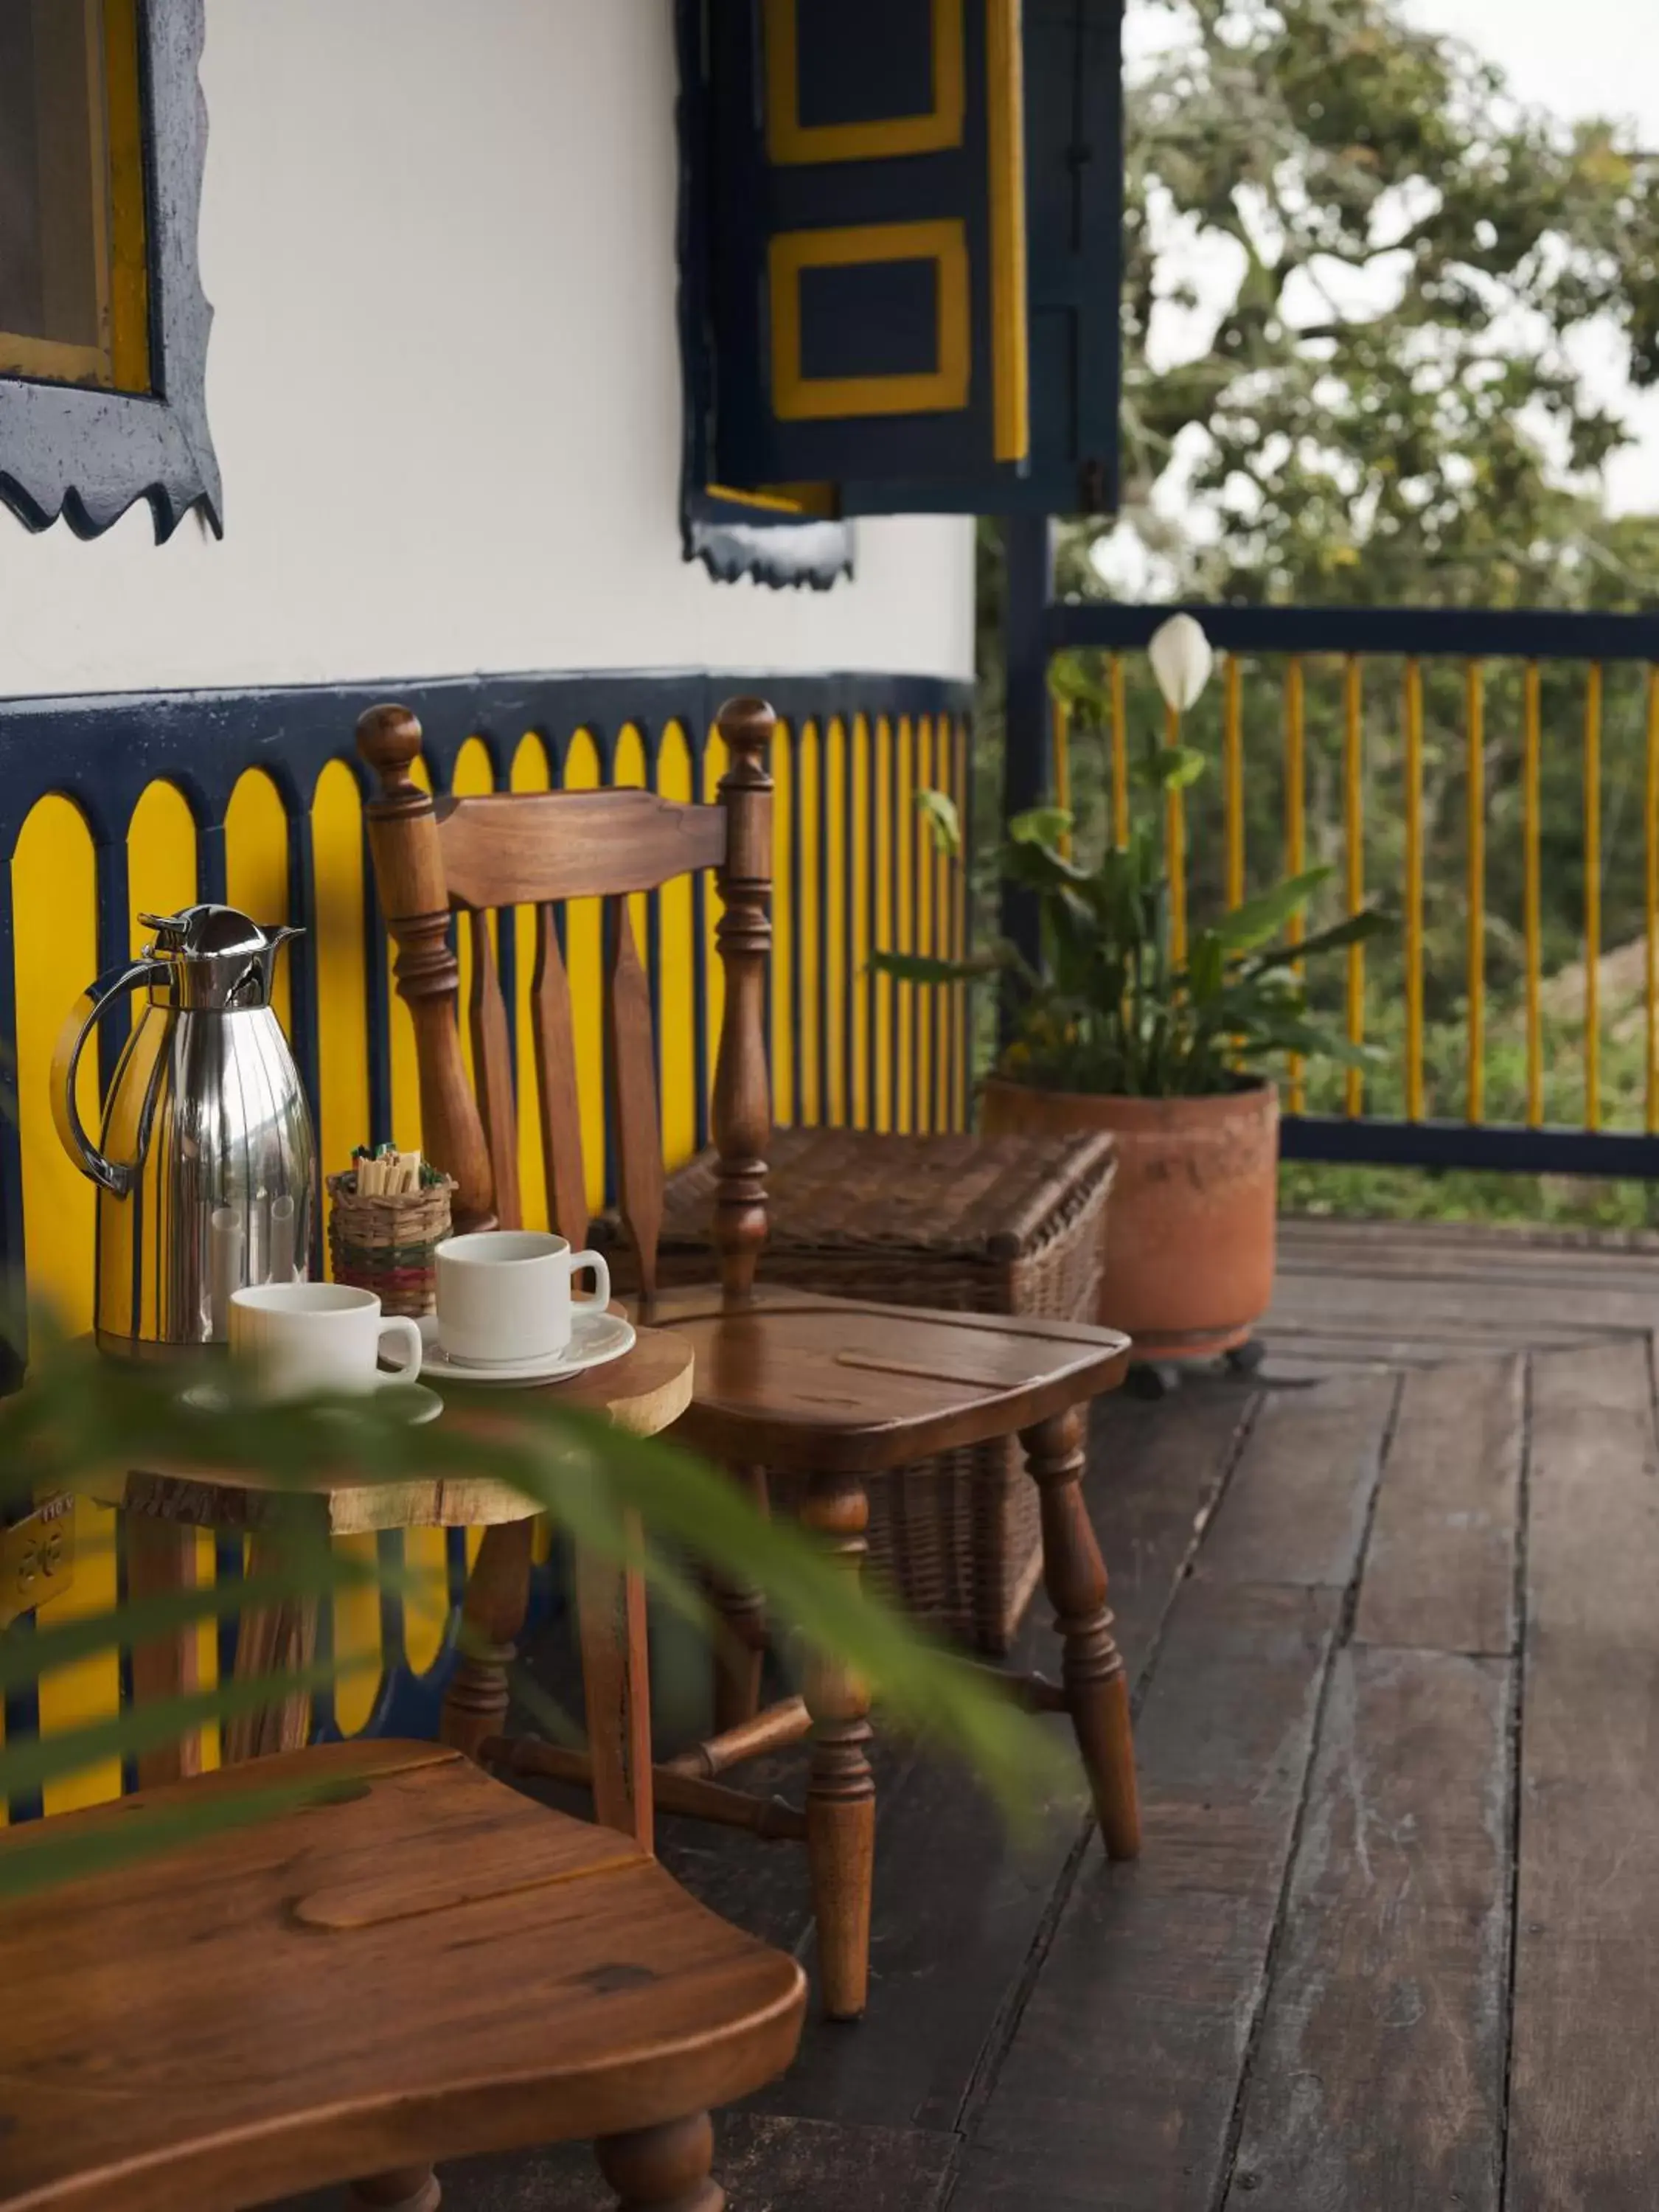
(596, 1336)
(413, 1400)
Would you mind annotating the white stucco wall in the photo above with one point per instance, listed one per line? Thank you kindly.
(444, 384)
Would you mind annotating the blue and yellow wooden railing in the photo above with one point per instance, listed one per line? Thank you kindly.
(113, 807)
(1373, 669)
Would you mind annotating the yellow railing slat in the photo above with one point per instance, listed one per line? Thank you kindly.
(1592, 896)
(1295, 823)
(1353, 811)
(1650, 843)
(1232, 775)
(1174, 844)
(1413, 890)
(1475, 881)
(1532, 746)
(1060, 762)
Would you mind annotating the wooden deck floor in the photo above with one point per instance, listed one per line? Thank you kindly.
(1392, 1609)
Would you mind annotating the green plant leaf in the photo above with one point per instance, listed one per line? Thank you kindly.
(1205, 966)
(40, 1857)
(1354, 929)
(1172, 768)
(1041, 825)
(938, 811)
(1265, 915)
(1311, 1040)
(76, 1415)
(927, 968)
(49, 1645)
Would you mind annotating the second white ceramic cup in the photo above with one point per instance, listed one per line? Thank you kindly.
(504, 1295)
(301, 1337)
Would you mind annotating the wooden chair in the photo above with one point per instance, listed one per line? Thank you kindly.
(838, 1391)
(423, 1964)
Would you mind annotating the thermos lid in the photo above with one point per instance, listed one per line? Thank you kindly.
(213, 957)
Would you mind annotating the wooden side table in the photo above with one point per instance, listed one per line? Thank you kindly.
(642, 1393)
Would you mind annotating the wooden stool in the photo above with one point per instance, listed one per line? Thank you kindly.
(419, 1964)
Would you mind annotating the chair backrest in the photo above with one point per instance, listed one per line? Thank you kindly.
(438, 858)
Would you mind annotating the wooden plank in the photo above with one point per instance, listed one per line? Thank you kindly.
(1440, 1568)
(1569, 1272)
(1296, 1510)
(161, 1560)
(1575, 1318)
(765, 2163)
(492, 1068)
(1307, 1231)
(1505, 1297)
(1481, 1335)
(631, 1062)
(1119, 2085)
(611, 1618)
(530, 848)
(1584, 2122)
(1297, 1367)
(1128, 2055)
(1383, 1344)
(553, 1028)
(1378, 2076)
(958, 1902)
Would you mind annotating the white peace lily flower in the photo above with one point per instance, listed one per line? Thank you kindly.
(1181, 657)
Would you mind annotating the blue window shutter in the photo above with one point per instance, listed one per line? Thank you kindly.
(867, 274)
(1074, 72)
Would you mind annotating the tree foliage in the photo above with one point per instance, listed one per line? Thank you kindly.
(1392, 405)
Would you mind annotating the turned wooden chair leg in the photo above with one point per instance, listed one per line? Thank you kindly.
(741, 1653)
(410, 2189)
(492, 1615)
(1096, 1690)
(663, 2169)
(841, 1791)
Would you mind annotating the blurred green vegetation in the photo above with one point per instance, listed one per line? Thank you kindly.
(1376, 396)
(80, 1422)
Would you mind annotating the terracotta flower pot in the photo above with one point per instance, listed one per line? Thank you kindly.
(1188, 1264)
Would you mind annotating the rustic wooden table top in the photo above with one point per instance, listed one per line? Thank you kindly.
(642, 1393)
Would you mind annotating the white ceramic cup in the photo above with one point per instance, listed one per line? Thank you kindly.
(301, 1337)
(504, 1295)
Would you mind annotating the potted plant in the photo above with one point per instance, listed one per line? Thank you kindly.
(1112, 1030)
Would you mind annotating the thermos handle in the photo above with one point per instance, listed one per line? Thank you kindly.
(65, 1063)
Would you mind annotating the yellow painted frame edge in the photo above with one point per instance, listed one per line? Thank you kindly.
(789, 143)
(797, 398)
(1011, 405)
(54, 360)
(128, 248)
(811, 501)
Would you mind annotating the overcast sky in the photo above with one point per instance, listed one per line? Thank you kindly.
(1590, 57)
(1585, 57)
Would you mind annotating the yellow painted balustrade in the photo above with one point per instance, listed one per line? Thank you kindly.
(1457, 790)
(853, 871)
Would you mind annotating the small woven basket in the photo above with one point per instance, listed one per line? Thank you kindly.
(389, 1244)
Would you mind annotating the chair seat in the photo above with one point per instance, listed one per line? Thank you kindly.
(844, 1386)
(425, 1965)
